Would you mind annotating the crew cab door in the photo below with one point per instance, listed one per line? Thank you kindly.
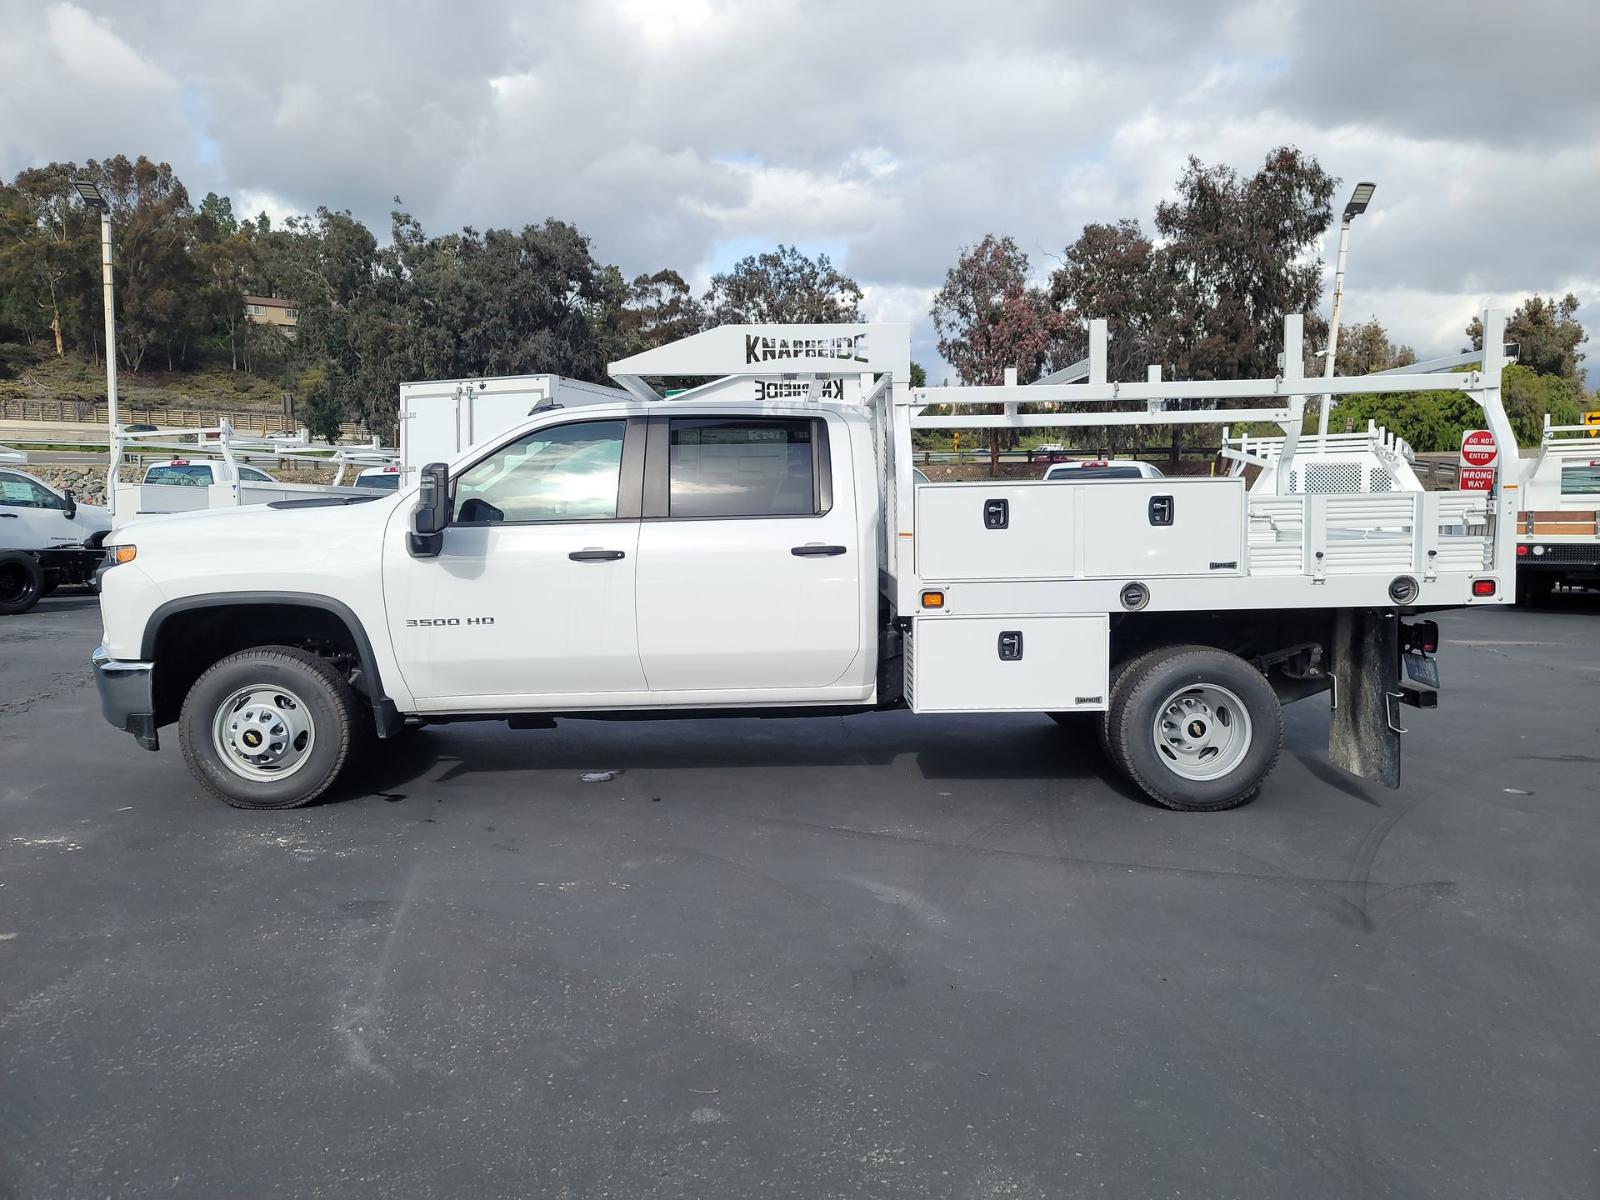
(32, 517)
(531, 598)
(750, 563)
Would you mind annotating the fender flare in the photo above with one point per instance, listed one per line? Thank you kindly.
(389, 720)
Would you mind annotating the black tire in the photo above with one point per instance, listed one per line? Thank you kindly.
(1152, 683)
(329, 707)
(1116, 696)
(21, 582)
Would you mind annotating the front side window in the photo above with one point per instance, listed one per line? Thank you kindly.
(18, 491)
(565, 473)
(1580, 479)
(738, 467)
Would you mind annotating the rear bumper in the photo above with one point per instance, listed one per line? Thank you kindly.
(126, 696)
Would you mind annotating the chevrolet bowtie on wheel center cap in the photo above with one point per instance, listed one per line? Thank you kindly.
(263, 732)
(1203, 731)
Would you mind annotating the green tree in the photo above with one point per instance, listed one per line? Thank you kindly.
(780, 286)
(990, 317)
(1365, 347)
(1547, 334)
(159, 294)
(1240, 254)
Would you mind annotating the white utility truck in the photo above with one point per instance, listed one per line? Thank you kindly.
(1559, 525)
(47, 538)
(715, 554)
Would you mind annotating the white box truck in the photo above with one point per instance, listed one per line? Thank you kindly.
(717, 554)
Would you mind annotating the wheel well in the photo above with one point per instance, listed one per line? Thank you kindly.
(1292, 648)
(188, 641)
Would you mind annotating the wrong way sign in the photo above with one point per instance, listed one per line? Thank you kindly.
(1477, 466)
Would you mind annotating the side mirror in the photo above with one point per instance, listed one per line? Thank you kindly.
(432, 515)
(70, 508)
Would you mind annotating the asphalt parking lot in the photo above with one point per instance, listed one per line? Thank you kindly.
(876, 956)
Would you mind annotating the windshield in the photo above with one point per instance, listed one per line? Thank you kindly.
(1581, 479)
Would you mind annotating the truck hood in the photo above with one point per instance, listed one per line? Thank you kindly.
(328, 550)
(256, 520)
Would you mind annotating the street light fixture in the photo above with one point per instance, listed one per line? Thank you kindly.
(1359, 199)
(93, 198)
(91, 194)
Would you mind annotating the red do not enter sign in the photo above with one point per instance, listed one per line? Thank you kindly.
(1478, 448)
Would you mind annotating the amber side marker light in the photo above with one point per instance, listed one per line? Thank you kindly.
(932, 599)
(123, 554)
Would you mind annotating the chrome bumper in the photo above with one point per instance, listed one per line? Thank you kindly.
(127, 697)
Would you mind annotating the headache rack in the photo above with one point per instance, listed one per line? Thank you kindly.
(1297, 538)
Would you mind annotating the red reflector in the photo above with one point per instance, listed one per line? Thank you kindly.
(1522, 551)
(1483, 587)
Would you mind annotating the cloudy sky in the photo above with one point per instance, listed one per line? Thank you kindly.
(888, 134)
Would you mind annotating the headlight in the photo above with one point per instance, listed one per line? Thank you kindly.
(116, 555)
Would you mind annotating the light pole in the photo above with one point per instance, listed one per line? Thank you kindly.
(1359, 199)
(92, 197)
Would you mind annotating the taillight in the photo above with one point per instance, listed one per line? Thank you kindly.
(1522, 552)
(1483, 587)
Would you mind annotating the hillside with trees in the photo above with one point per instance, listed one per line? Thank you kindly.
(1203, 294)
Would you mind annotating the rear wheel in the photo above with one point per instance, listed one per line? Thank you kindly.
(21, 582)
(1198, 729)
(269, 727)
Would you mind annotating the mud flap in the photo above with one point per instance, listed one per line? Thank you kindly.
(1364, 737)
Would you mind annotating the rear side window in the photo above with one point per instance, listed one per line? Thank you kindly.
(1580, 479)
(1095, 473)
(744, 467)
(380, 483)
(195, 476)
(254, 475)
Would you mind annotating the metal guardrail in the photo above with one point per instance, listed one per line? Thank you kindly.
(93, 412)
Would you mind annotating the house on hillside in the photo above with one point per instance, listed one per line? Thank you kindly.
(272, 310)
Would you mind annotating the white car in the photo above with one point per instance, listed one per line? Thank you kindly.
(46, 539)
(201, 472)
(380, 479)
(1084, 470)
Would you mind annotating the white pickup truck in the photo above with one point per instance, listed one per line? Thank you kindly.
(47, 538)
(725, 555)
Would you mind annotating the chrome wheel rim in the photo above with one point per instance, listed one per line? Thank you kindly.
(1201, 731)
(263, 733)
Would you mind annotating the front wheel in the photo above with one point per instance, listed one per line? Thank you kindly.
(1197, 729)
(269, 727)
(21, 582)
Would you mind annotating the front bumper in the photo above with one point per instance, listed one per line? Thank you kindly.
(126, 696)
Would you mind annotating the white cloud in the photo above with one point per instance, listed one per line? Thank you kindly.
(899, 131)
